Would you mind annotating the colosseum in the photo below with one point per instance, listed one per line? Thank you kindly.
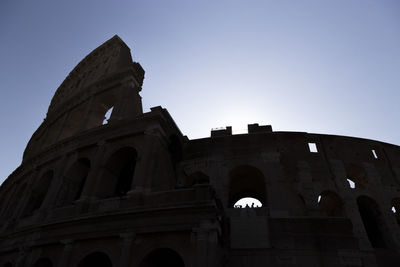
(103, 184)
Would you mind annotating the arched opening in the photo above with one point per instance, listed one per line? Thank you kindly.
(373, 221)
(118, 173)
(107, 116)
(43, 262)
(248, 202)
(196, 178)
(356, 177)
(95, 259)
(396, 208)
(74, 181)
(331, 204)
(14, 201)
(38, 193)
(246, 181)
(162, 257)
(101, 109)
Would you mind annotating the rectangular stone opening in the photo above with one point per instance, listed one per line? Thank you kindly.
(313, 147)
(374, 153)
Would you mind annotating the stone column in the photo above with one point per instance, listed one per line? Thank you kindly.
(145, 166)
(205, 239)
(93, 178)
(51, 196)
(350, 204)
(86, 116)
(130, 102)
(127, 241)
(66, 254)
(306, 187)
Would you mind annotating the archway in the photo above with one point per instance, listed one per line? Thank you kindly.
(118, 173)
(38, 193)
(95, 259)
(162, 257)
(73, 183)
(43, 262)
(246, 181)
(373, 221)
(331, 204)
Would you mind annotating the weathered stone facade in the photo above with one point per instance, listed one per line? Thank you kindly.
(133, 191)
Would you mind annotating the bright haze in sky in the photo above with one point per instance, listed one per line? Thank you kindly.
(314, 66)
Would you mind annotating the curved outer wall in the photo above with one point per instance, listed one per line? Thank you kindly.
(132, 190)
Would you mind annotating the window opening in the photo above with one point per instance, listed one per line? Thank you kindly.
(374, 153)
(313, 147)
(118, 173)
(248, 202)
(246, 181)
(396, 208)
(356, 175)
(107, 116)
(351, 183)
(125, 179)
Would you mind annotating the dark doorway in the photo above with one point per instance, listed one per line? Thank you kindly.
(118, 173)
(373, 222)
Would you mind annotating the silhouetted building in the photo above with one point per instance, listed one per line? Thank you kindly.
(131, 190)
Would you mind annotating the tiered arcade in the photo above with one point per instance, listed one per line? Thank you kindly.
(131, 190)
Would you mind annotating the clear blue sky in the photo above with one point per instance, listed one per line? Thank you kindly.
(316, 66)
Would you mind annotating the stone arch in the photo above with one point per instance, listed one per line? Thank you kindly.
(99, 107)
(98, 259)
(331, 204)
(197, 177)
(14, 201)
(74, 181)
(246, 181)
(357, 175)
(373, 222)
(118, 172)
(38, 193)
(162, 257)
(43, 262)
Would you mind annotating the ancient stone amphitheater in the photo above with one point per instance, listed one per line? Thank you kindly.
(130, 190)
